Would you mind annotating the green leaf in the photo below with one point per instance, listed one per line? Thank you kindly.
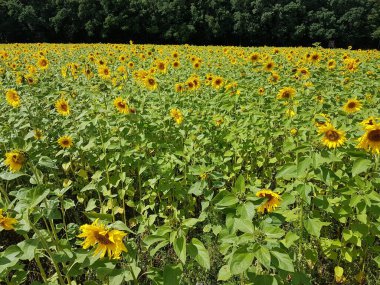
(197, 188)
(36, 195)
(241, 260)
(28, 248)
(172, 274)
(198, 251)
(282, 261)
(224, 273)
(239, 186)
(244, 226)
(47, 162)
(288, 171)
(180, 248)
(263, 256)
(264, 280)
(289, 239)
(360, 165)
(314, 226)
(8, 176)
(227, 201)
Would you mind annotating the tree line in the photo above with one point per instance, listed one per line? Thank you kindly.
(222, 22)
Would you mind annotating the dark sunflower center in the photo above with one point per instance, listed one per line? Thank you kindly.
(269, 65)
(370, 122)
(351, 105)
(218, 82)
(151, 81)
(331, 63)
(65, 142)
(106, 71)
(332, 135)
(64, 107)
(374, 136)
(161, 66)
(286, 94)
(43, 63)
(121, 105)
(102, 239)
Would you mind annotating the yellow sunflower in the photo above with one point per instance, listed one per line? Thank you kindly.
(14, 160)
(176, 115)
(13, 98)
(6, 223)
(332, 138)
(352, 106)
(38, 134)
(272, 202)
(65, 141)
(368, 122)
(179, 87)
(217, 82)
(107, 241)
(370, 141)
(62, 107)
(43, 63)
(121, 105)
(104, 72)
(268, 66)
(150, 83)
(286, 93)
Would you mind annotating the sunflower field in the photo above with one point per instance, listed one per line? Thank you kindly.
(154, 164)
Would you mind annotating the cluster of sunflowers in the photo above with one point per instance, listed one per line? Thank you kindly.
(167, 142)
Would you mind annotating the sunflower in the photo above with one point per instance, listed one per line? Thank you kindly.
(331, 64)
(176, 115)
(352, 106)
(272, 202)
(43, 63)
(254, 57)
(179, 87)
(14, 160)
(150, 83)
(6, 223)
(268, 66)
(121, 105)
(107, 241)
(370, 141)
(13, 98)
(62, 107)
(286, 93)
(176, 64)
(217, 82)
(332, 138)
(38, 134)
(161, 66)
(368, 122)
(104, 72)
(261, 90)
(65, 141)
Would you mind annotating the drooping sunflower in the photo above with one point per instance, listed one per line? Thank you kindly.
(65, 141)
(43, 63)
(107, 241)
(15, 160)
(177, 115)
(332, 138)
(286, 93)
(352, 106)
(13, 98)
(370, 141)
(62, 107)
(6, 222)
(121, 105)
(272, 202)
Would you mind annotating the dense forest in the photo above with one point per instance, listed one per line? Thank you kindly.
(228, 22)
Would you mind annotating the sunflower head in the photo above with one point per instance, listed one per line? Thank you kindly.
(6, 222)
(15, 160)
(286, 93)
(121, 105)
(332, 138)
(13, 98)
(352, 106)
(271, 203)
(370, 141)
(62, 107)
(43, 63)
(150, 83)
(65, 141)
(108, 241)
(177, 115)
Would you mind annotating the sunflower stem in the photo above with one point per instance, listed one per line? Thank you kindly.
(42, 271)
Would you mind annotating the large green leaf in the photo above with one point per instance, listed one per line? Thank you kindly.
(241, 260)
(314, 226)
(282, 261)
(198, 251)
